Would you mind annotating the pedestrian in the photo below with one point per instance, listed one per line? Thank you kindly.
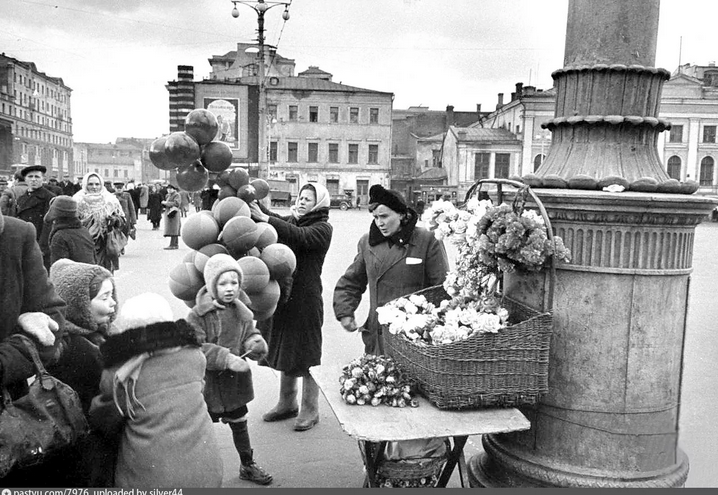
(208, 196)
(33, 205)
(29, 305)
(134, 192)
(394, 259)
(225, 327)
(154, 206)
(8, 198)
(91, 297)
(68, 238)
(151, 393)
(100, 212)
(294, 332)
(197, 201)
(68, 188)
(171, 217)
(144, 196)
(54, 187)
(128, 207)
(185, 200)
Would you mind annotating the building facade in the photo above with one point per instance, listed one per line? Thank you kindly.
(35, 119)
(124, 161)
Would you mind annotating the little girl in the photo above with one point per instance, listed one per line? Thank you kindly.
(225, 326)
(151, 394)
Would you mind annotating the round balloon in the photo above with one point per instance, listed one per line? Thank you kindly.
(192, 177)
(158, 157)
(247, 193)
(261, 188)
(238, 177)
(185, 281)
(267, 235)
(199, 229)
(202, 125)
(181, 149)
(255, 274)
(239, 235)
(230, 207)
(280, 260)
(226, 192)
(266, 299)
(216, 156)
(205, 253)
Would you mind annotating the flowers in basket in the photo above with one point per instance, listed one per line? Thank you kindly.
(376, 380)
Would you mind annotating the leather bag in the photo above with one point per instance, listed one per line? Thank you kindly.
(116, 242)
(172, 212)
(42, 422)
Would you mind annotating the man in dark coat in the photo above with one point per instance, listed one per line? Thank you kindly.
(54, 187)
(68, 188)
(33, 205)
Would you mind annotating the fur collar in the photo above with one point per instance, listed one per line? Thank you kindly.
(136, 341)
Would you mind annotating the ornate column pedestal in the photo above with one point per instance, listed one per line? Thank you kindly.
(610, 418)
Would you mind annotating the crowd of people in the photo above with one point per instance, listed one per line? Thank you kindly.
(152, 385)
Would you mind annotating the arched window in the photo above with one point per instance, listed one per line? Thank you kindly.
(674, 167)
(538, 160)
(707, 171)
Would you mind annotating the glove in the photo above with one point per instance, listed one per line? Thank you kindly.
(256, 346)
(285, 289)
(236, 363)
(40, 326)
(349, 323)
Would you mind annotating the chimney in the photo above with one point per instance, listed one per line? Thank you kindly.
(513, 96)
(478, 109)
(449, 116)
(519, 88)
(501, 101)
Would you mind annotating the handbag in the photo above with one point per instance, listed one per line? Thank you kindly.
(42, 422)
(172, 212)
(116, 242)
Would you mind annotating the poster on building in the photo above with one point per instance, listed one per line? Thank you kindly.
(227, 112)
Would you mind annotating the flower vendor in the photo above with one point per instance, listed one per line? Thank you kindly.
(394, 259)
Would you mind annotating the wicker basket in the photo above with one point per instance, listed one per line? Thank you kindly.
(410, 473)
(504, 369)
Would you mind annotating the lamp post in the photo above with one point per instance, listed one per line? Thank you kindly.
(260, 7)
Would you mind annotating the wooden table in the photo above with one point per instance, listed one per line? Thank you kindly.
(374, 426)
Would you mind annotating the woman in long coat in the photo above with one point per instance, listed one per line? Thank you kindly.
(171, 216)
(100, 212)
(394, 259)
(294, 333)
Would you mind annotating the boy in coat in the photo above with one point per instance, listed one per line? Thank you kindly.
(68, 237)
(225, 327)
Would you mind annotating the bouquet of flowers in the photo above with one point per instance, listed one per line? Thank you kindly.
(376, 380)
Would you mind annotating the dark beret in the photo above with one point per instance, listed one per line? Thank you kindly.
(32, 168)
(388, 197)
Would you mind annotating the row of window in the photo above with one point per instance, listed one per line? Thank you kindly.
(502, 165)
(706, 169)
(351, 115)
(676, 134)
(43, 136)
(332, 153)
(40, 88)
(115, 173)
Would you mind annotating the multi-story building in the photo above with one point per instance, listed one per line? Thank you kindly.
(316, 129)
(119, 162)
(35, 119)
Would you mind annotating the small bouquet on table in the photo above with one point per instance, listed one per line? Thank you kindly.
(465, 343)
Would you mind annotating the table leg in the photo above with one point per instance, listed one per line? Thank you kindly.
(371, 455)
(456, 455)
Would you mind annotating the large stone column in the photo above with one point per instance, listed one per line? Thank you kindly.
(610, 418)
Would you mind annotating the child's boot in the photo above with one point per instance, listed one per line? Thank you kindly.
(248, 470)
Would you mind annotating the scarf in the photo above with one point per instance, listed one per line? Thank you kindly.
(401, 237)
(94, 209)
(323, 199)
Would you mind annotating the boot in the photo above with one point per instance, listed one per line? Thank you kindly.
(309, 414)
(248, 469)
(174, 242)
(287, 405)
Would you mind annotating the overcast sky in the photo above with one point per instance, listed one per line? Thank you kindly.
(118, 55)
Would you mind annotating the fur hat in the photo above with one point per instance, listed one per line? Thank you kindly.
(75, 284)
(216, 266)
(143, 310)
(388, 197)
(61, 207)
(32, 168)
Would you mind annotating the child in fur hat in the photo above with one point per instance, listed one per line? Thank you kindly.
(151, 393)
(225, 326)
(68, 238)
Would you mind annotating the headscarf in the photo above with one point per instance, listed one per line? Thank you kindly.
(94, 209)
(321, 194)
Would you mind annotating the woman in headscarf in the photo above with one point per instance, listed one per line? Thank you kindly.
(294, 333)
(394, 259)
(100, 212)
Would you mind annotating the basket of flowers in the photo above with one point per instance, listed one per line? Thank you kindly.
(465, 344)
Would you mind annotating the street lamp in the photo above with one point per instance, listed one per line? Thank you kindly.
(260, 7)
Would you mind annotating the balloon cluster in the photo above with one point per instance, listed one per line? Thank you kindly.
(228, 228)
(193, 152)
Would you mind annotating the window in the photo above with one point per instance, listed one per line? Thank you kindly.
(292, 152)
(481, 165)
(333, 152)
(272, 111)
(674, 167)
(333, 186)
(709, 134)
(354, 115)
(518, 129)
(115, 173)
(353, 153)
(313, 114)
(538, 160)
(707, 171)
(676, 135)
(502, 165)
(106, 173)
(293, 113)
(312, 152)
(373, 154)
(273, 147)
(373, 115)
(334, 114)
(436, 158)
